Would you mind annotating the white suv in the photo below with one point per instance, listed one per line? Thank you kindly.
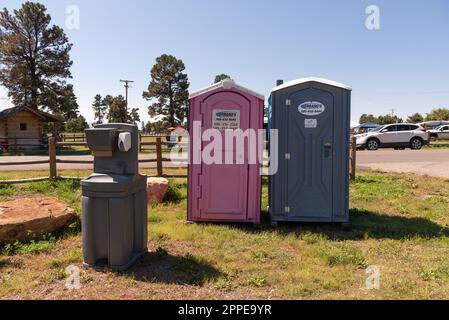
(398, 135)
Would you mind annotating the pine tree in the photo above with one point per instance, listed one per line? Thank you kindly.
(100, 109)
(134, 116)
(60, 100)
(35, 60)
(221, 77)
(168, 89)
(117, 110)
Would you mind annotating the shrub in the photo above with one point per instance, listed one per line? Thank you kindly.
(173, 194)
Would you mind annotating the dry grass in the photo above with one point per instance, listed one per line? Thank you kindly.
(400, 224)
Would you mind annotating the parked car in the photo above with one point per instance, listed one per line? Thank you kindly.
(432, 125)
(399, 136)
(440, 133)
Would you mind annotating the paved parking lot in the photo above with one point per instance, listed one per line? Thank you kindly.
(425, 162)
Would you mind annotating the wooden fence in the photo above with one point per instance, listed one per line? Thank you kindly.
(158, 145)
(15, 145)
(73, 137)
(53, 161)
(353, 158)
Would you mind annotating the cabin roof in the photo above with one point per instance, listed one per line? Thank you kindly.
(45, 116)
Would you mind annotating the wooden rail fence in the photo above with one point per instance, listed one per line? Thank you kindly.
(353, 158)
(53, 160)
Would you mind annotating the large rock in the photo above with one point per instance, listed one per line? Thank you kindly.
(156, 189)
(26, 218)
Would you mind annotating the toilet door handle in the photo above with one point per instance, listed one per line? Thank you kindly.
(327, 149)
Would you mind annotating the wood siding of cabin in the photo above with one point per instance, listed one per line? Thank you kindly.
(30, 138)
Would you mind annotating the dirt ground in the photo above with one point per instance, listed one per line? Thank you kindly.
(424, 162)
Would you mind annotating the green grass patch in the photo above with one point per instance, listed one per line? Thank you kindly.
(399, 222)
(32, 247)
(341, 254)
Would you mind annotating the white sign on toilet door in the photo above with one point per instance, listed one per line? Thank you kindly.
(226, 119)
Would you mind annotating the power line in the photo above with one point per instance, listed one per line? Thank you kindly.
(127, 86)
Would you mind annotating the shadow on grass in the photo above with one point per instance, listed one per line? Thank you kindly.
(367, 225)
(380, 226)
(161, 267)
(4, 263)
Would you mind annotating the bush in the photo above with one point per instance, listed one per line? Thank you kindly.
(173, 194)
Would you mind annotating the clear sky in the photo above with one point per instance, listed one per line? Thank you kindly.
(403, 66)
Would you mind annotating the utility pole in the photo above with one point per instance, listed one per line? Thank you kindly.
(392, 112)
(127, 86)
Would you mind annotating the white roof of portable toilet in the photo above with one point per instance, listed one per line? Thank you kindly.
(226, 84)
(311, 79)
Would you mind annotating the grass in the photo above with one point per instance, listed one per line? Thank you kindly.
(77, 173)
(400, 223)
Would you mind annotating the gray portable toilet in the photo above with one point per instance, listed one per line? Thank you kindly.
(312, 117)
(114, 199)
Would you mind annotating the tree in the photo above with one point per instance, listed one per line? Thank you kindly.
(388, 119)
(100, 109)
(61, 100)
(76, 125)
(134, 116)
(415, 118)
(367, 118)
(221, 77)
(117, 110)
(107, 101)
(438, 114)
(169, 88)
(34, 58)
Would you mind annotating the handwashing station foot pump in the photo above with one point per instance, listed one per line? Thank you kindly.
(114, 201)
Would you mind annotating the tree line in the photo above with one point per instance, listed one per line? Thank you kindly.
(434, 115)
(35, 69)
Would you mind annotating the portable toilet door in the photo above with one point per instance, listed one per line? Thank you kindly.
(312, 117)
(223, 191)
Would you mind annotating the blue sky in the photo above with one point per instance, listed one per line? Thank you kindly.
(403, 66)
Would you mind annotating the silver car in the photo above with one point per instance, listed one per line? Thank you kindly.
(440, 133)
(398, 136)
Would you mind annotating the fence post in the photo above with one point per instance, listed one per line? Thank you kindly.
(16, 147)
(140, 142)
(159, 156)
(353, 157)
(52, 157)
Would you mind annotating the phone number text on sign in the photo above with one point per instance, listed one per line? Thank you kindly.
(226, 119)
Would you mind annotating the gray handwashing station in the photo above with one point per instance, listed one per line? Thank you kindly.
(114, 199)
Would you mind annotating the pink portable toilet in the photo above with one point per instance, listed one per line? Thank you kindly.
(229, 191)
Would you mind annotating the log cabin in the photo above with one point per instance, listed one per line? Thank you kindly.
(24, 127)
